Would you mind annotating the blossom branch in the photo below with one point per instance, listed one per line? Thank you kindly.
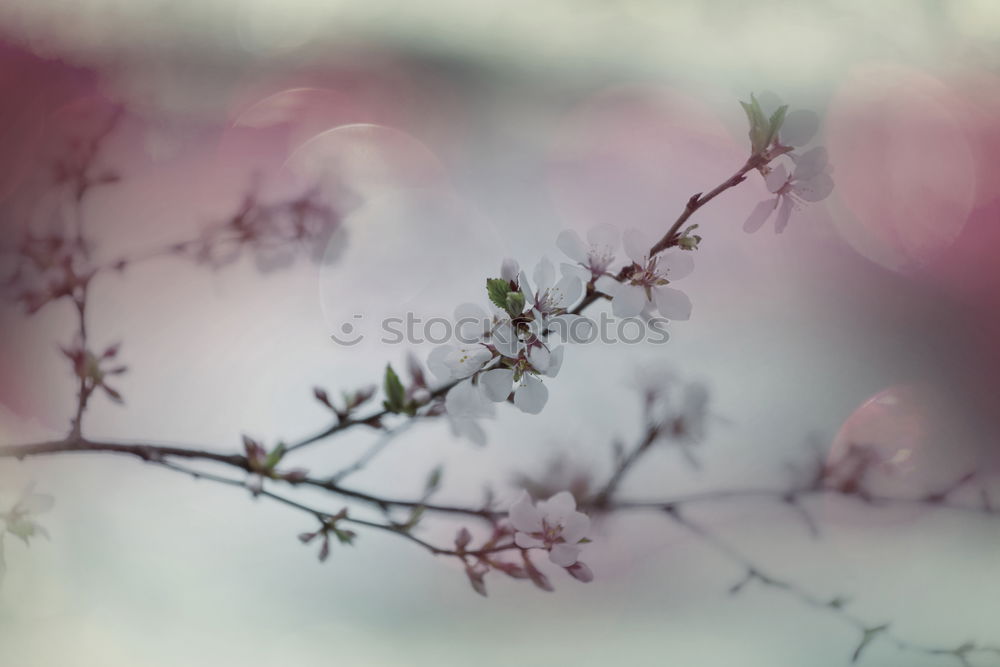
(504, 364)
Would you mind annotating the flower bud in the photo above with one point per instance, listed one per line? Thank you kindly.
(509, 270)
(462, 538)
(581, 572)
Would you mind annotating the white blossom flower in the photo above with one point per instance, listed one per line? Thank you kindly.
(465, 404)
(593, 257)
(530, 394)
(454, 362)
(550, 297)
(553, 525)
(810, 181)
(467, 399)
(648, 282)
(468, 428)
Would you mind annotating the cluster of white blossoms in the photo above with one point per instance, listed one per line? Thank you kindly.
(555, 526)
(809, 179)
(508, 352)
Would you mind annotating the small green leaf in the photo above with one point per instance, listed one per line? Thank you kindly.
(760, 127)
(515, 303)
(395, 394)
(433, 481)
(274, 456)
(23, 529)
(497, 289)
(344, 536)
(415, 516)
(774, 125)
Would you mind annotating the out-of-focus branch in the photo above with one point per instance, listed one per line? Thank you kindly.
(837, 606)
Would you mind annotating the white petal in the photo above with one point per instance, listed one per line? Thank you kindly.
(524, 516)
(576, 527)
(673, 304)
(761, 212)
(504, 339)
(816, 189)
(776, 178)
(526, 541)
(472, 323)
(497, 383)
(559, 507)
(467, 359)
(525, 286)
(509, 269)
(810, 164)
(531, 396)
(637, 245)
(576, 271)
(545, 275)
(555, 361)
(629, 300)
(799, 127)
(467, 400)
(567, 291)
(603, 237)
(539, 358)
(572, 245)
(436, 362)
(678, 264)
(457, 401)
(784, 212)
(564, 555)
(464, 427)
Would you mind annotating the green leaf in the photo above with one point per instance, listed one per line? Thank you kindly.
(433, 481)
(414, 519)
(774, 125)
(515, 303)
(497, 289)
(274, 456)
(344, 536)
(394, 393)
(760, 126)
(22, 528)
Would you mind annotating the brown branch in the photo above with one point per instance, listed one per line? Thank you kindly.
(836, 605)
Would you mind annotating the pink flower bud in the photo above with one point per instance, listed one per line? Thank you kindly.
(296, 476)
(462, 538)
(581, 572)
(476, 574)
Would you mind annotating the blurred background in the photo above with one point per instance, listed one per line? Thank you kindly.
(449, 135)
